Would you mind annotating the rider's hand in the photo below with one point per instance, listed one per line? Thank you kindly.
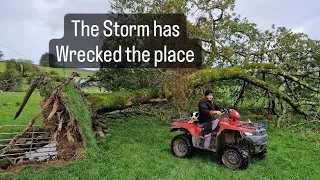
(217, 112)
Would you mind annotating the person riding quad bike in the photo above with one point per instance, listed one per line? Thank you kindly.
(207, 117)
(233, 140)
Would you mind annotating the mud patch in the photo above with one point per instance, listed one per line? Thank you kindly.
(17, 168)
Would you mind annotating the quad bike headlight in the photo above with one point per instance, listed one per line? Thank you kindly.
(248, 133)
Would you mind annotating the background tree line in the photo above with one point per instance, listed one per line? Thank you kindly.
(19, 71)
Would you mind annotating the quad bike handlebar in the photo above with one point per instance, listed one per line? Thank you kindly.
(233, 114)
(224, 111)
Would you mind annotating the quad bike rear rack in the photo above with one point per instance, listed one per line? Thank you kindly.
(181, 119)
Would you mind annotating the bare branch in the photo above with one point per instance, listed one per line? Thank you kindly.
(288, 76)
(293, 94)
(244, 85)
(220, 16)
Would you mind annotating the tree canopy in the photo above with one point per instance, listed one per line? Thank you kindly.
(283, 65)
(46, 58)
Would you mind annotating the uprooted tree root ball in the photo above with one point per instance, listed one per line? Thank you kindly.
(64, 130)
(67, 121)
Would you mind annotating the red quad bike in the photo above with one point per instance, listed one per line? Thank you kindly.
(234, 142)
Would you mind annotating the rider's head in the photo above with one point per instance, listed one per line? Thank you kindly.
(208, 94)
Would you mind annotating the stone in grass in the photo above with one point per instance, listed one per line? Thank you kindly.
(5, 163)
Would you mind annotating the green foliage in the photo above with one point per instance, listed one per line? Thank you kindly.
(47, 88)
(18, 103)
(54, 72)
(45, 58)
(210, 74)
(27, 67)
(128, 79)
(13, 65)
(35, 70)
(24, 67)
(273, 59)
(10, 80)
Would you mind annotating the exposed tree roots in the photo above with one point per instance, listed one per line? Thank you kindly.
(64, 130)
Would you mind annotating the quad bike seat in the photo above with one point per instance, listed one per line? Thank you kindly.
(200, 125)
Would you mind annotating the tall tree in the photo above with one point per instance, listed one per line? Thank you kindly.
(13, 65)
(26, 66)
(46, 58)
(283, 64)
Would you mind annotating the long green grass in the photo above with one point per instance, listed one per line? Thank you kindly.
(9, 105)
(80, 113)
(2, 66)
(139, 148)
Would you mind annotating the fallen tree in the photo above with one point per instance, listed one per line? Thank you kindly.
(118, 100)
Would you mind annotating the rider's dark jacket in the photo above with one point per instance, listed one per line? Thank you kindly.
(206, 109)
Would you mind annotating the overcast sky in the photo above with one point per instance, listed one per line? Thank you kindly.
(27, 26)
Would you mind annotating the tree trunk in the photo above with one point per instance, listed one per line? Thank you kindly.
(106, 102)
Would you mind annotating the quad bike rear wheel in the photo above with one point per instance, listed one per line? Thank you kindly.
(181, 146)
(235, 157)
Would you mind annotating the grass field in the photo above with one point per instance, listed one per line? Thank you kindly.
(9, 104)
(139, 148)
(60, 71)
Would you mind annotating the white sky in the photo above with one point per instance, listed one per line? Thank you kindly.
(27, 26)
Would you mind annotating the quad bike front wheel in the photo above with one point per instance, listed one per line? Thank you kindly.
(181, 146)
(262, 155)
(235, 157)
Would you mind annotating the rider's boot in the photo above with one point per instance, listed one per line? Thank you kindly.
(217, 128)
(202, 134)
(207, 141)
